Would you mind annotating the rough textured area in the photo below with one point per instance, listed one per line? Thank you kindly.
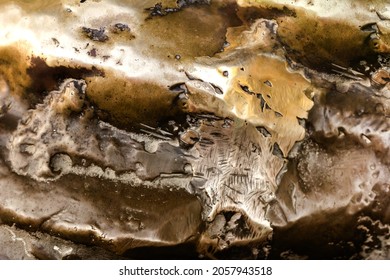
(194, 129)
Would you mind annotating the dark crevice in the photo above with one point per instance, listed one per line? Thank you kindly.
(95, 34)
(53, 77)
(159, 10)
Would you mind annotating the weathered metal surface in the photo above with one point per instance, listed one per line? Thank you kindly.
(213, 124)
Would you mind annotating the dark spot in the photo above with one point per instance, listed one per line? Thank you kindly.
(96, 34)
(246, 89)
(92, 52)
(301, 122)
(179, 88)
(121, 27)
(159, 10)
(263, 104)
(264, 131)
(277, 151)
(216, 134)
(225, 73)
(8, 121)
(55, 41)
(289, 12)
(386, 79)
(82, 1)
(185, 3)
(206, 141)
(268, 83)
(217, 89)
(369, 27)
(54, 75)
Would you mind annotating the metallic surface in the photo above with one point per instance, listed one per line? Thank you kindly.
(218, 129)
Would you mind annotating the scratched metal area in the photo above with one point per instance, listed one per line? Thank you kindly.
(236, 129)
